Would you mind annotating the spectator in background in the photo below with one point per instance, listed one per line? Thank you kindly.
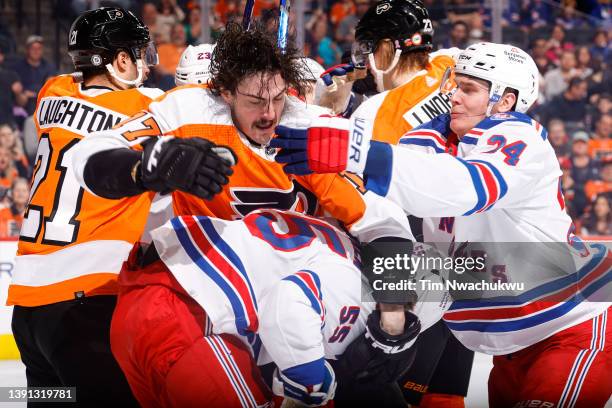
(556, 44)
(600, 50)
(10, 140)
(593, 187)
(568, 185)
(326, 51)
(600, 144)
(11, 216)
(193, 26)
(534, 14)
(556, 80)
(598, 220)
(437, 11)
(169, 56)
(570, 105)
(169, 14)
(159, 32)
(345, 33)
(568, 18)
(598, 109)
(464, 10)
(11, 92)
(33, 70)
(538, 52)
(559, 139)
(583, 168)
(583, 62)
(227, 10)
(458, 36)
(8, 173)
(340, 10)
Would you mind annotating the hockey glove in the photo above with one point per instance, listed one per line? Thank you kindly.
(298, 395)
(328, 145)
(337, 75)
(193, 165)
(378, 357)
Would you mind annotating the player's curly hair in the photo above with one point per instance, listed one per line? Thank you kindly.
(239, 54)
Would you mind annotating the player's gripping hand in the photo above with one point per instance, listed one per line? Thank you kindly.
(294, 394)
(337, 75)
(328, 145)
(193, 165)
(378, 357)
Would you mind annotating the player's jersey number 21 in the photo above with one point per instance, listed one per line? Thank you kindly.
(60, 226)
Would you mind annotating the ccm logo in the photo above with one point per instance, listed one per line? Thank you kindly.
(357, 139)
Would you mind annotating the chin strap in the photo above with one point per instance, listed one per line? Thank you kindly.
(378, 74)
(133, 83)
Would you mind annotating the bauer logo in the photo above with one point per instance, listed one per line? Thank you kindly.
(381, 8)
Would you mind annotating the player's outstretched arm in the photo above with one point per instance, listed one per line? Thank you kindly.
(422, 184)
(106, 165)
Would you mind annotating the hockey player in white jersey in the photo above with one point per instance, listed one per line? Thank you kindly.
(285, 285)
(503, 186)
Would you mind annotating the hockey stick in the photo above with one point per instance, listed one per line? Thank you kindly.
(283, 24)
(248, 14)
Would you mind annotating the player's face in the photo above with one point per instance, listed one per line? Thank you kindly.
(469, 102)
(257, 105)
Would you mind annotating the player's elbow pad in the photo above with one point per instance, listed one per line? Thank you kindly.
(108, 174)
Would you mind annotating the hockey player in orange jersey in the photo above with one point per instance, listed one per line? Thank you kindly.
(72, 243)
(240, 107)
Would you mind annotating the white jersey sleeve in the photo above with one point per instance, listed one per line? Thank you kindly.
(506, 161)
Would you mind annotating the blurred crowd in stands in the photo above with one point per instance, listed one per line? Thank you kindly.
(569, 40)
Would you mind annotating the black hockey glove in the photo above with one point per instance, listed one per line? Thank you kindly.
(378, 357)
(193, 165)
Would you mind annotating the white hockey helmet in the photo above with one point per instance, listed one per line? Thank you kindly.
(194, 65)
(312, 70)
(504, 66)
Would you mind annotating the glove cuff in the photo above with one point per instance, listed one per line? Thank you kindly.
(360, 135)
(392, 344)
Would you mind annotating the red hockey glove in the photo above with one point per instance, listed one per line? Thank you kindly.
(328, 145)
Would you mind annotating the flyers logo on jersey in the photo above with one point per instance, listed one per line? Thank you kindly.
(249, 199)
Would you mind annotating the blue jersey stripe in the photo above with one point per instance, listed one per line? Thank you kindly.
(532, 294)
(422, 142)
(314, 302)
(492, 326)
(478, 186)
(242, 322)
(225, 249)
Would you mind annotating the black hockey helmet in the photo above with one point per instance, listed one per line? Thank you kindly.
(96, 36)
(405, 22)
